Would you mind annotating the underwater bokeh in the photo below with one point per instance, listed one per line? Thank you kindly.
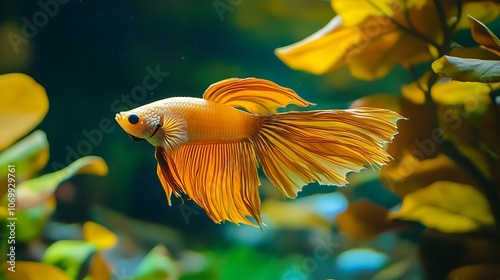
(93, 59)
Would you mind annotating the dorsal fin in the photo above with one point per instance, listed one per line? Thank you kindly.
(257, 96)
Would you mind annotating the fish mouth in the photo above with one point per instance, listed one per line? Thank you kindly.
(119, 118)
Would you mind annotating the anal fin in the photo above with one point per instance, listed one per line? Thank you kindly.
(221, 178)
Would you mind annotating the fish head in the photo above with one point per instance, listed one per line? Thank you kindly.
(139, 123)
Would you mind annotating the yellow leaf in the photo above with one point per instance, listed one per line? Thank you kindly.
(35, 191)
(485, 11)
(371, 36)
(410, 172)
(476, 272)
(99, 269)
(98, 235)
(358, 12)
(369, 55)
(377, 56)
(293, 216)
(449, 92)
(363, 220)
(23, 105)
(4, 212)
(362, 10)
(447, 206)
(34, 270)
(316, 53)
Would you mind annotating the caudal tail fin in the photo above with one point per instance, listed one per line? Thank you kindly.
(297, 148)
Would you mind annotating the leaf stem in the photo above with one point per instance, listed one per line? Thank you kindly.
(450, 150)
(447, 147)
(415, 78)
(408, 17)
(443, 23)
(411, 31)
(459, 15)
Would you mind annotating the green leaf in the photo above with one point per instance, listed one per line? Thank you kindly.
(33, 192)
(31, 222)
(23, 105)
(156, 265)
(245, 262)
(29, 155)
(483, 36)
(447, 206)
(72, 256)
(467, 70)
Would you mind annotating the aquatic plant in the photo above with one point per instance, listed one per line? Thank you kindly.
(446, 157)
(28, 201)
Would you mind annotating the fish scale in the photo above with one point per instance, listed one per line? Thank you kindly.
(208, 121)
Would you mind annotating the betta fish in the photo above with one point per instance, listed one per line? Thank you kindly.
(210, 148)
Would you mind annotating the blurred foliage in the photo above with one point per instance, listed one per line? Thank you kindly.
(23, 106)
(446, 160)
(439, 211)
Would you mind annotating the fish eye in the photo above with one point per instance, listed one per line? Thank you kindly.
(133, 118)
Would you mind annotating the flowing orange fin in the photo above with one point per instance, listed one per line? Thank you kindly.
(257, 96)
(168, 177)
(298, 148)
(222, 178)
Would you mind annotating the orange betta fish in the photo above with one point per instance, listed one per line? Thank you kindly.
(209, 149)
